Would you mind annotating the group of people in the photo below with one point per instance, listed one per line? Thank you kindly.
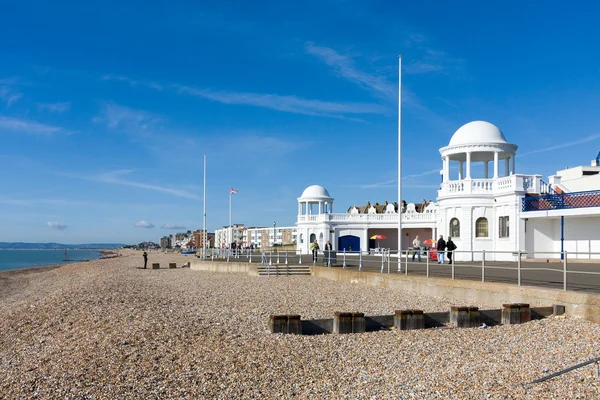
(314, 248)
(444, 248)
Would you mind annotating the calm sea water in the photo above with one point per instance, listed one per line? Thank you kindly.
(16, 259)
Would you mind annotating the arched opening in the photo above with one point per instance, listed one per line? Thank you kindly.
(349, 243)
(481, 227)
(454, 228)
(312, 237)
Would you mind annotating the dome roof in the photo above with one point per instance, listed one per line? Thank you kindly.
(477, 132)
(315, 191)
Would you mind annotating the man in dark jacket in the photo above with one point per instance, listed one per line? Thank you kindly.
(145, 255)
(450, 246)
(441, 249)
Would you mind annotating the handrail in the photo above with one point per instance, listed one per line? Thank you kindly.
(564, 371)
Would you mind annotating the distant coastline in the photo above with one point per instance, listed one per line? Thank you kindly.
(58, 246)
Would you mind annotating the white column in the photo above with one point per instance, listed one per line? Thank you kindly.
(468, 165)
(299, 208)
(506, 165)
(460, 170)
(512, 165)
(320, 207)
(485, 169)
(446, 169)
(308, 208)
(495, 164)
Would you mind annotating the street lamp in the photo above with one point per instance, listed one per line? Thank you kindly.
(274, 234)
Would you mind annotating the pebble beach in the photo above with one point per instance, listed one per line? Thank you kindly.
(107, 329)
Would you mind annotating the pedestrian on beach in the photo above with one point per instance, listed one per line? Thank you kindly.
(441, 249)
(450, 246)
(145, 255)
(314, 247)
(416, 248)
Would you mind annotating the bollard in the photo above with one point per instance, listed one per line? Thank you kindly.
(172, 265)
(270, 258)
(286, 260)
(342, 322)
(277, 257)
(278, 323)
(294, 325)
(525, 312)
(360, 263)
(344, 265)
(459, 317)
(155, 266)
(299, 258)
(558, 309)
(358, 323)
(511, 314)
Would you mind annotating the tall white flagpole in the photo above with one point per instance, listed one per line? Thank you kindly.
(229, 232)
(400, 164)
(204, 216)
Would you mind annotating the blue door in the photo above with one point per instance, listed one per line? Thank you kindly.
(349, 243)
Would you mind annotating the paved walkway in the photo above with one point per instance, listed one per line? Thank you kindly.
(533, 273)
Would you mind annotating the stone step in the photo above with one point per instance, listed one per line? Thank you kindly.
(283, 270)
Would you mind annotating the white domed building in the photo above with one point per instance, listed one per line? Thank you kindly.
(482, 203)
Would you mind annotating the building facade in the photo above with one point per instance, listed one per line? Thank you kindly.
(482, 203)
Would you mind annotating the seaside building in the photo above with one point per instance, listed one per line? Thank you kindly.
(256, 236)
(482, 203)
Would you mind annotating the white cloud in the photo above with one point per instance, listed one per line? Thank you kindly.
(173, 226)
(132, 82)
(143, 224)
(60, 107)
(115, 116)
(9, 96)
(292, 104)
(57, 225)
(21, 125)
(345, 68)
(562, 145)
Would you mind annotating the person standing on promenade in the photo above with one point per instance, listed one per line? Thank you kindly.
(328, 245)
(145, 255)
(450, 246)
(441, 249)
(314, 247)
(416, 248)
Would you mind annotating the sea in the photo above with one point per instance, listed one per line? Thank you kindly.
(17, 259)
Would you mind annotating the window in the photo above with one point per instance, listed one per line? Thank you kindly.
(503, 227)
(454, 228)
(481, 227)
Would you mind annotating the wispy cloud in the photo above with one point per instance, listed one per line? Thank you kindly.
(57, 225)
(25, 126)
(132, 82)
(394, 182)
(173, 226)
(344, 67)
(60, 107)
(9, 96)
(115, 177)
(115, 116)
(35, 202)
(143, 224)
(435, 61)
(292, 104)
(562, 145)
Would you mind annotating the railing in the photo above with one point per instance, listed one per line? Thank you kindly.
(514, 183)
(562, 201)
(391, 217)
(564, 274)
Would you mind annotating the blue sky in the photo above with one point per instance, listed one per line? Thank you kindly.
(106, 110)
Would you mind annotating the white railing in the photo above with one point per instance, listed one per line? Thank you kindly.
(366, 218)
(514, 183)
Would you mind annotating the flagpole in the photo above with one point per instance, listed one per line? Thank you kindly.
(204, 216)
(400, 163)
(229, 232)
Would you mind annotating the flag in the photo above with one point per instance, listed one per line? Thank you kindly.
(232, 191)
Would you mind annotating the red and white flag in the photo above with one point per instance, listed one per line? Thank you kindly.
(232, 191)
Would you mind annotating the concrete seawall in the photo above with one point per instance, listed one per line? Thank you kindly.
(579, 305)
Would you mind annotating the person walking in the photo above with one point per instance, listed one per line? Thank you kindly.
(416, 248)
(441, 249)
(145, 255)
(450, 247)
(314, 247)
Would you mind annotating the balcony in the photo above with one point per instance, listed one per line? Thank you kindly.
(531, 184)
(430, 217)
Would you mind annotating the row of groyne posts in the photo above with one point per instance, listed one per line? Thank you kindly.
(171, 265)
(457, 317)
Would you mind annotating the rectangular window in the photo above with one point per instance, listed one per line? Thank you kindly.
(503, 227)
